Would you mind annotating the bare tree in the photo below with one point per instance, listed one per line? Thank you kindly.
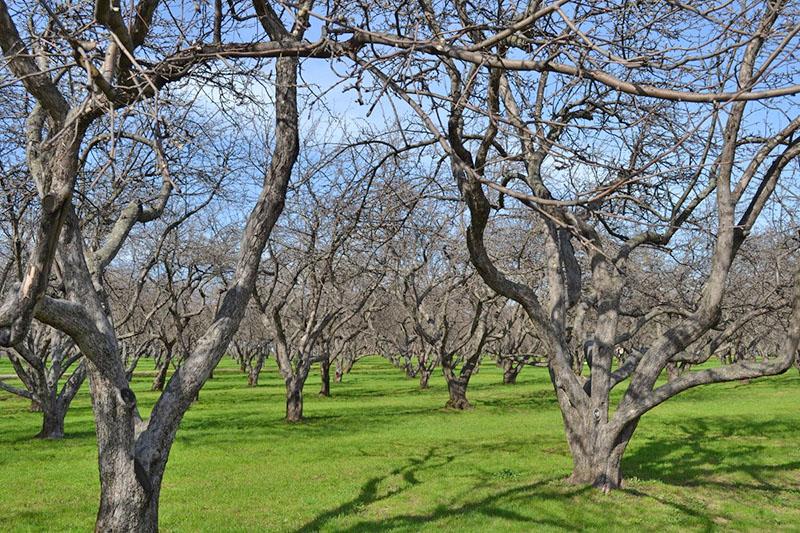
(132, 453)
(638, 144)
(321, 280)
(41, 362)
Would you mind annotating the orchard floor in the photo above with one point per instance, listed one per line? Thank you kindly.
(383, 455)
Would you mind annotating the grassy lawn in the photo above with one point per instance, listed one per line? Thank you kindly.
(383, 455)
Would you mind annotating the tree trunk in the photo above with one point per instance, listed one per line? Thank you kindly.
(458, 394)
(294, 399)
(597, 454)
(424, 378)
(255, 371)
(510, 372)
(53, 421)
(510, 375)
(129, 491)
(161, 374)
(129, 508)
(325, 370)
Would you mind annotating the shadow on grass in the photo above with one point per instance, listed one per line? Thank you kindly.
(705, 451)
(370, 494)
(535, 496)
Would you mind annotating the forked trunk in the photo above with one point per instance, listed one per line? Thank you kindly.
(597, 455)
(255, 370)
(424, 378)
(458, 394)
(325, 370)
(294, 399)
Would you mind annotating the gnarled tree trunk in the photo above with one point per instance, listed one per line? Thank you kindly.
(597, 452)
(457, 388)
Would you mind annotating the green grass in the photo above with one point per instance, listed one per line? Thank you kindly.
(382, 455)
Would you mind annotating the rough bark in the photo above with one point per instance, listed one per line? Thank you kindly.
(128, 491)
(457, 389)
(597, 451)
(160, 378)
(294, 399)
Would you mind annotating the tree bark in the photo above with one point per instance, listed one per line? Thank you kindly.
(457, 389)
(325, 370)
(510, 372)
(597, 452)
(424, 378)
(53, 421)
(510, 376)
(672, 371)
(128, 490)
(294, 399)
(161, 374)
(255, 370)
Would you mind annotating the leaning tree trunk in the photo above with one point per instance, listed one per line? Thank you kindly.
(161, 374)
(294, 399)
(325, 371)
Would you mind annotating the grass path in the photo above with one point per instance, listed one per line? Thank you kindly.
(382, 455)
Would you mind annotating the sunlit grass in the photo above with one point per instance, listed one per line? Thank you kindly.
(383, 455)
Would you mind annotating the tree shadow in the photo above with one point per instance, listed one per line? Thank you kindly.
(370, 494)
(713, 452)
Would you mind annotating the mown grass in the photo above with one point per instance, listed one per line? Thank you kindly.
(383, 455)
